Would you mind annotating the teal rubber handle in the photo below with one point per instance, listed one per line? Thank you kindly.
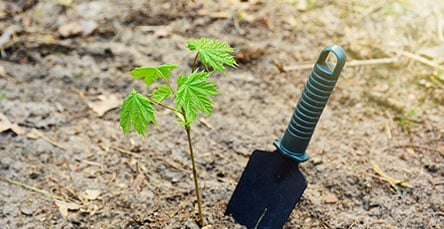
(311, 103)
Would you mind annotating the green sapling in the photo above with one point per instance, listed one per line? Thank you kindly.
(191, 97)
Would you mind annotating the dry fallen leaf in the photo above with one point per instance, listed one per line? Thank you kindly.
(3, 13)
(64, 207)
(330, 198)
(26, 209)
(3, 73)
(88, 26)
(104, 103)
(160, 31)
(92, 194)
(138, 181)
(5, 125)
(81, 27)
(34, 134)
(70, 29)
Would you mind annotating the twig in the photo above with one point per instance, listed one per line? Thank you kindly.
(439, 24)
(228, 21)
(152, 28)
(91, 163)
(418, 147)
(34, 189)
(205, 122)
(392, 181)
(125, 151)
(382, 100)
(37, 134)
(373, 9)
(352, 63)
(260, 219)
(420, 59)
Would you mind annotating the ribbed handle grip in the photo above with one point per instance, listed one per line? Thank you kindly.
(314, 97)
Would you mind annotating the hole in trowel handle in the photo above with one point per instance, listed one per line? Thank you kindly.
(331, 61)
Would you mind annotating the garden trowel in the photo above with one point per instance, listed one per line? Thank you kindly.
(271, 184)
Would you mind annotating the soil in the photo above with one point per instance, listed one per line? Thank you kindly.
(65, 162)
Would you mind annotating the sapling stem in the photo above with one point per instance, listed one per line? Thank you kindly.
(196, 183)
(194, 62)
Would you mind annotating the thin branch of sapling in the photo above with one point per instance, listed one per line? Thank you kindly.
(194, 62)
(165, 106)
(191, 97)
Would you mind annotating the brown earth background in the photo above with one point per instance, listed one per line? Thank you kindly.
(377, 155)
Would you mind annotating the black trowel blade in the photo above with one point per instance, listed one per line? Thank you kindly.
(267, 191)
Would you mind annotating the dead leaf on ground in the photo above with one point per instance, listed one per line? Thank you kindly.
(246, 55)
(3, 13)
(5, 125)
(75, 28)
(104, 103)
(27, 209)
(138, 181)
(160, 31)
(4, 74)
(64, 207)
(70, 29)
(92, 194)
(34, 134)
(330, 198)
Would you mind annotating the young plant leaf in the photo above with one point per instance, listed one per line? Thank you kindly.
(161, 93)
(136, 111)
(151, 74)
(193, 92)
(213, 53)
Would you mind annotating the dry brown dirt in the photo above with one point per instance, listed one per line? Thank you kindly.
(65, 163)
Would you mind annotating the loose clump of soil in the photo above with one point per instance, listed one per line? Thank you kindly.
(64, 162)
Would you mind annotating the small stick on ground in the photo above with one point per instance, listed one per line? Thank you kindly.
(260, 219)
(34, 189)
(420, 59)
(392, 181)
(419, 147)
(125, 151)
(352, 63)
(37, 134)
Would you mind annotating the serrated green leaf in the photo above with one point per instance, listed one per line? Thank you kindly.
(136, 111)
(213, 53)
(161, 93)
(193, 94)
(151, 74)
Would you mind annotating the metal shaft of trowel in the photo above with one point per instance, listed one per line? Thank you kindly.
(311, 103)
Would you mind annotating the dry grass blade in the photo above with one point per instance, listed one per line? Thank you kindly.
(35, 134)
(352, 63)
(392, 181)
(34, 189)
(420, 59)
